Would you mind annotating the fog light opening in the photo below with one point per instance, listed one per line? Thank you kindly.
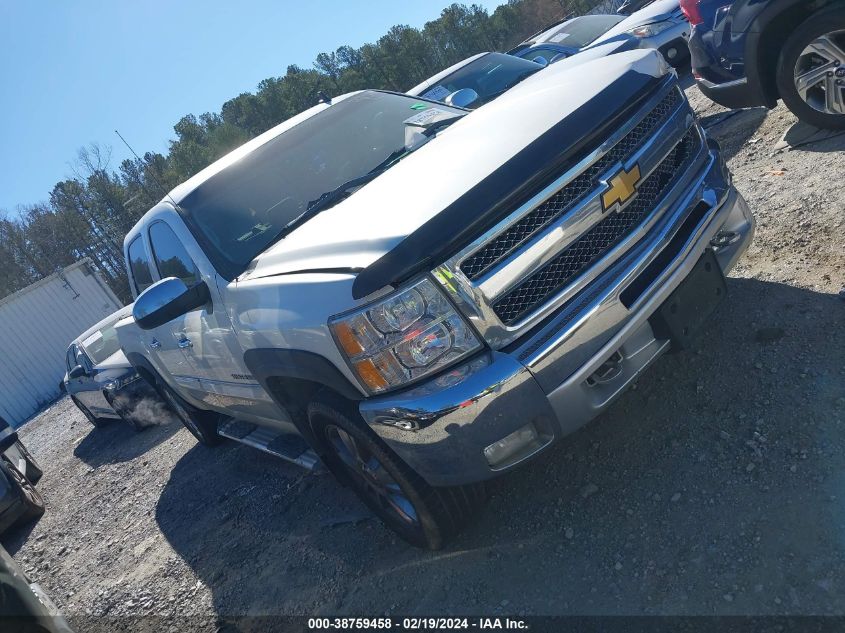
(512, 448)
(405, 425)
(672, 53)
(723, 239)
(608, 370)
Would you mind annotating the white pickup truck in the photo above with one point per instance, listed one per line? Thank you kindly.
(422, 298)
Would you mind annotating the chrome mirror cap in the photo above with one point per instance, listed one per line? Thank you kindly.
(166, 300)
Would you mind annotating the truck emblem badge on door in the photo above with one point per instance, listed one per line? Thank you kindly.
(621, 187)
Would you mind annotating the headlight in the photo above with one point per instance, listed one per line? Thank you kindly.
(650, 30)
(118, 383)
(402, 337)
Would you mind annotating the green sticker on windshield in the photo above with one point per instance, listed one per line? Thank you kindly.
(419, 106)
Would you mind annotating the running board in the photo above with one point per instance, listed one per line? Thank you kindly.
(288, 446)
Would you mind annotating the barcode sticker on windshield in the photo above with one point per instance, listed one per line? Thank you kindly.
(438, 93)
(424, 118)
(559, 37)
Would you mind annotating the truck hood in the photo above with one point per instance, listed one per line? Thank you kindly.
(461, 170)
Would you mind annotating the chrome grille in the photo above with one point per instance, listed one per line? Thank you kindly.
(538, 287)
(499, 248)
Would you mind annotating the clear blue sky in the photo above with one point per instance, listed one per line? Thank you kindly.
(72, 72)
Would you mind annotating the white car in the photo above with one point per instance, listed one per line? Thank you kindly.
(422, 297)
(481, 78)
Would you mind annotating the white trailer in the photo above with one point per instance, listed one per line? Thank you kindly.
(36, 326)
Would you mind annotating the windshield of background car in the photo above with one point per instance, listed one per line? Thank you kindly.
(238, 212)
(101, 344)
(580, 32)
(489, 76)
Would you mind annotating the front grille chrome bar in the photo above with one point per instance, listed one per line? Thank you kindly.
(488, 279)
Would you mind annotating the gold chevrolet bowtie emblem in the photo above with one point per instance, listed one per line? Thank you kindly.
(622, 186)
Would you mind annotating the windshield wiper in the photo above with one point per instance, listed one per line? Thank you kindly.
(330, 198)
(431, 128)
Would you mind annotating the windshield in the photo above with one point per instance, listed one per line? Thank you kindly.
(581, 31)
(489, 76)
(238, 212)
(101, 344)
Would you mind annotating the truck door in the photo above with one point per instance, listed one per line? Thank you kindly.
(206, 337)
(164, 352)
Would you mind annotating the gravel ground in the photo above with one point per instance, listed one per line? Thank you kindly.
(715, 486)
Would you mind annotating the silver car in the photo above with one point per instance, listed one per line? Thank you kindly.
(101, 381)
(660, 25)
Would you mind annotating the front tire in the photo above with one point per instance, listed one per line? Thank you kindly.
(422, 515)
(201, 424)
(811, 70)
(93, 419)
(126, 414)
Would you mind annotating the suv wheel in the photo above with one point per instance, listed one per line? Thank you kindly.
(33, 502)
(811, 70)
(422, 515)
(93, 419)
(201, 424)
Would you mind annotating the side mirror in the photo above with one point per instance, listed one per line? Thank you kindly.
(167, 299)
(462, 98)
(77, 372)
(541, 60)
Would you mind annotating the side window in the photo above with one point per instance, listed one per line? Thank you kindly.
(140, 265)
(170, 256)
(71, 357)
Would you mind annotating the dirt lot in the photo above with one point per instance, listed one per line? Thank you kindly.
(716, 486)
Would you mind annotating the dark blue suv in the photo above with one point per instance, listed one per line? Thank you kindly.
(754, 52)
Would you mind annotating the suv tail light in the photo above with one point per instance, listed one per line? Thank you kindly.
(692, 10)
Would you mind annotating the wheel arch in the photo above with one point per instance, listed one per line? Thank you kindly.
(293, 377)
(146, 370)
(766, 34)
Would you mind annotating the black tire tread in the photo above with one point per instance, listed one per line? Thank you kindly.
(206, 421)
(449, 509)
(825, 21)
(93, 419)
(126, 416)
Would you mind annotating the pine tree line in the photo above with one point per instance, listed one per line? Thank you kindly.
(89, 214)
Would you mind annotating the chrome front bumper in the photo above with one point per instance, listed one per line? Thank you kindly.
(567, 371)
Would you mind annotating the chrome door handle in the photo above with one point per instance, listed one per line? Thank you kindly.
(154, 344)
(185, 343)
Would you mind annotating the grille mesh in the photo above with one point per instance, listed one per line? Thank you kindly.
(503, 244)
(535, 289)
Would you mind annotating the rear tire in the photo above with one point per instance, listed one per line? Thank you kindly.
(422, 515)
(201, 424)
(31, 499)
(94, 420)
(797, 59)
